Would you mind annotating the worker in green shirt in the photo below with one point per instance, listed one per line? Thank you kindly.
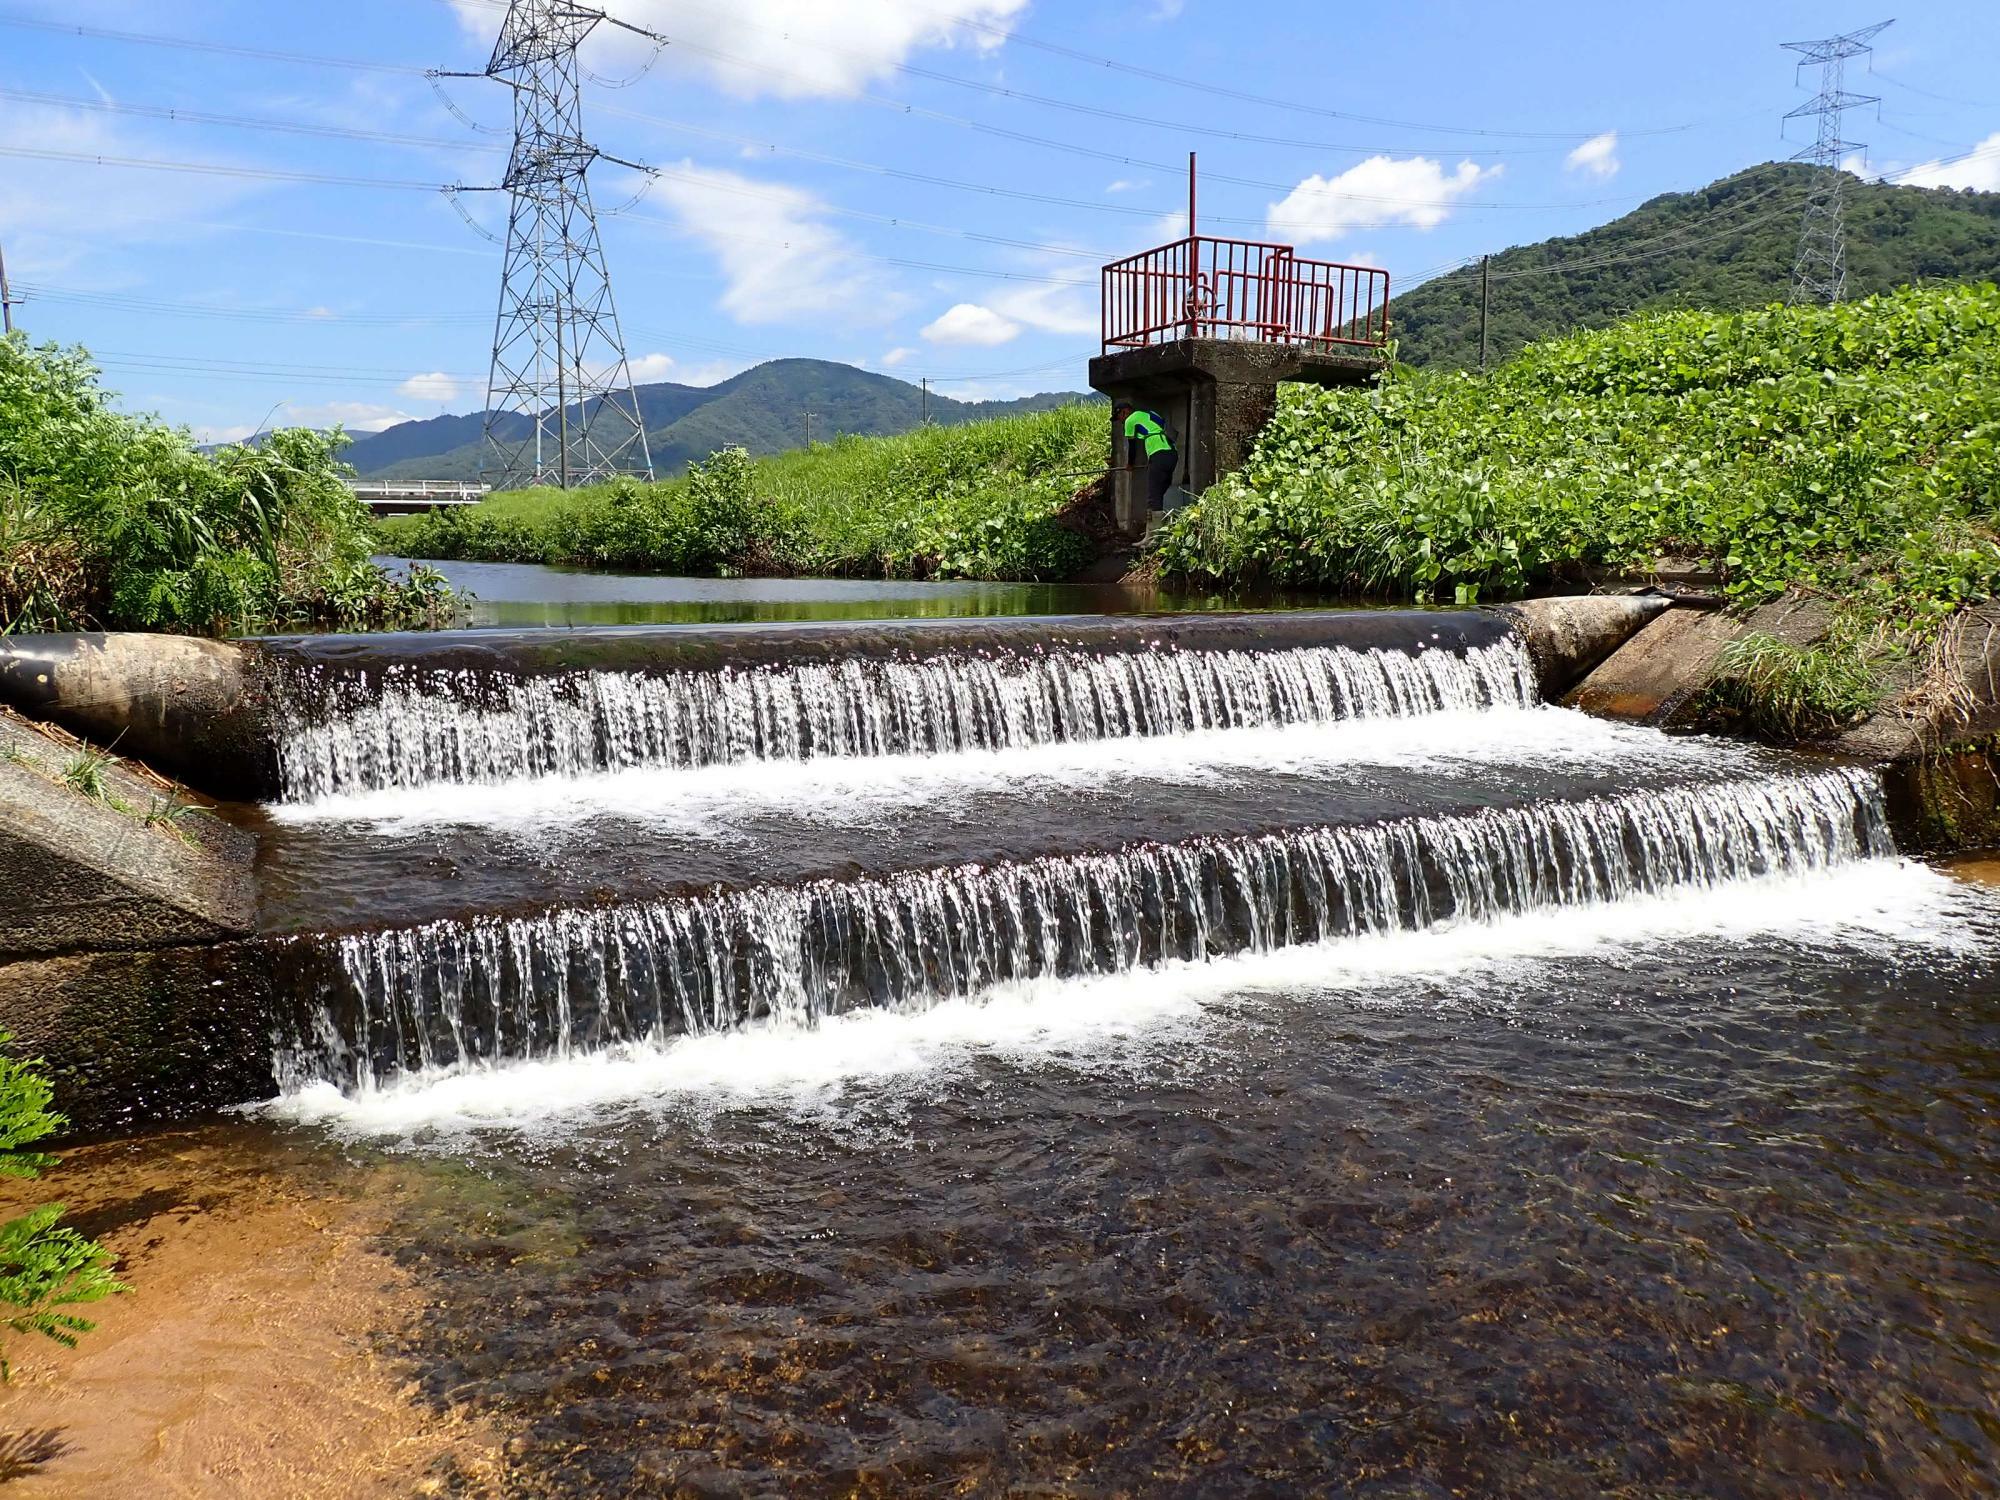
(1147, 445)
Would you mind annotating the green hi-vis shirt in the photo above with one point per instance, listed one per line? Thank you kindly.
(1143, 426)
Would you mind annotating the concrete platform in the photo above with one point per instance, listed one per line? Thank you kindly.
(1216, 395)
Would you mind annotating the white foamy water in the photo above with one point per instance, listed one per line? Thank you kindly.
(838, 790)
(450, 728)
(1875, 909)
(467, 992)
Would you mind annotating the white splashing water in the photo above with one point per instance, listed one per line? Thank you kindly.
(462, 727)
(851, 792)
(837, 1071)
(468, 994)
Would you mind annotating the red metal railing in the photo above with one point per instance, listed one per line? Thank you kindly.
(1209, 288)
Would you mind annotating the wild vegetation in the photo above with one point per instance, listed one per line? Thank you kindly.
(979, 501)
(1724, 248)
(1850, 452)
(45, 1269)
(116, 522)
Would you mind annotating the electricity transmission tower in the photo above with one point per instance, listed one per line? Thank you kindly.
(1820, 272)
(560, 405)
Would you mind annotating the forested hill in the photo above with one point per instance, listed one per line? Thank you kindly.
(762, 410)
(1725, 247)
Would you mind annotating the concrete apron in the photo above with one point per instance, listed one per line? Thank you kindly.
(129, 961)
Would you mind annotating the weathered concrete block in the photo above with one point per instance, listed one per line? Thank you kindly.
(1660, 670)
(138, 1037)
(193, 709)
(1568, 637)
(80, 875)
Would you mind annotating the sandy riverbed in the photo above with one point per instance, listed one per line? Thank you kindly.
(255, 1353)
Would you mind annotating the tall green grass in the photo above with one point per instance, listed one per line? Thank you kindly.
(110, 521)
(978, 501)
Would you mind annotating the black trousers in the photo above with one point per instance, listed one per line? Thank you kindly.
(1160, 478)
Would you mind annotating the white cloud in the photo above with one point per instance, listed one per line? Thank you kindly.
(1979, 169)
(896, 356)
(436, 386)
(1127, 185)
(57, 213)
(778, 259)
(780, 47)
(969, 323)
(648, 369)
(1051, 309)
(1596, 157)
(355, 416)
(651, 369)
(1412, 190)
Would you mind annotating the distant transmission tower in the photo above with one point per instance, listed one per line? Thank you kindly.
(1820, 272)
(558, 356)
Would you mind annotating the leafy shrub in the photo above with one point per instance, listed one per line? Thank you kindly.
(44, 1268)
(110, 521)
(1853, 450)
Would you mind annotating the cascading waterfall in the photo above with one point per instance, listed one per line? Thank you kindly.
(486, 989)
(422, 728)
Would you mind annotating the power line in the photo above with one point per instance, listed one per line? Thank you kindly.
(219, 169)
(226, 49)
(1096, 60)
(179, 116)
(1245, 96)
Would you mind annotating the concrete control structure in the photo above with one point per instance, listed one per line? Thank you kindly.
(1203, 330)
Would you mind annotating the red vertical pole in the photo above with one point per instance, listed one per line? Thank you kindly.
(1193, 259)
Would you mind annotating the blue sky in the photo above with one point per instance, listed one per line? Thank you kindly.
(788, 219)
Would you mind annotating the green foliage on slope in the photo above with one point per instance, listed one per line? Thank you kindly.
(45, 1269)
(1724, 248)
(975, 501)
(1851, 451)
(109, 521)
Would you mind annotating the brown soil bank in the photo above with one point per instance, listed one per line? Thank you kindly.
(253, 1355)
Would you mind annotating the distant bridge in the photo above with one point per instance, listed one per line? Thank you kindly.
(403, 497)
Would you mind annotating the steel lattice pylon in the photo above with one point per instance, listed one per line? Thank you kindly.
(560, 405)
(1819, 274)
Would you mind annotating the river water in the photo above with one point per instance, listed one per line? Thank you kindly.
(1145, 1072)
(523, 594)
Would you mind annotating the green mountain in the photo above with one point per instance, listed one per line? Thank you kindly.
(763, 410)
(1725, 247)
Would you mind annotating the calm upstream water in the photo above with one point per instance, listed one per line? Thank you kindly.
(522, 594)
(1146, 1070)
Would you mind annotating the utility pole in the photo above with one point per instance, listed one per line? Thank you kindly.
(1819, 273)
(556, 338)
(1485, 301)
(927, 401)
(8, 301)
(809, 427)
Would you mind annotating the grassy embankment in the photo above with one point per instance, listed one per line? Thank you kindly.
(1850, 453)
(979, 501)
(116, 522)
